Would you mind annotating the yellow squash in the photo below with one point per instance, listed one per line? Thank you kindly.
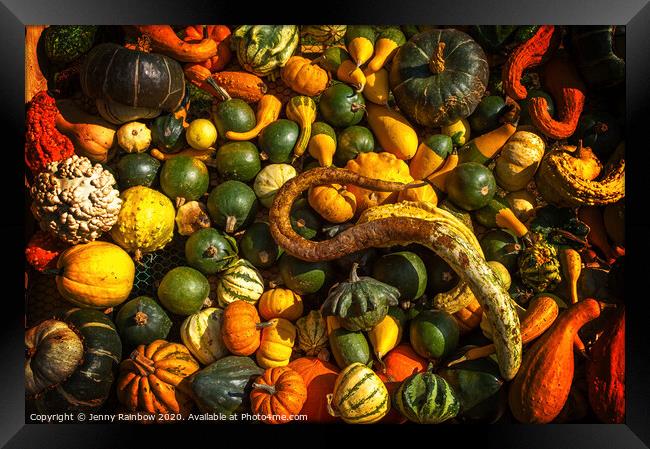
(385, 335)
(268, 111)
(302, 110)
(276, 344)
(377, 88)
(394, 133)
(280, 303)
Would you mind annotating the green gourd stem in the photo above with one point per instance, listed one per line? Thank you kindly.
(353, 273)
(437, 63)
(263, 325)
(225, 96)
(270, 389)
(140, 318)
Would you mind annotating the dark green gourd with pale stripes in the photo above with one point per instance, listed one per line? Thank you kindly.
(426, 398)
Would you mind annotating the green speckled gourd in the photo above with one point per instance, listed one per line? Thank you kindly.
(261, 49)
(361, 302)
(426, 398)
(539, 266)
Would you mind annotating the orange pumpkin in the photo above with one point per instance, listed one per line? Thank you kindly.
(333, 202)
(280, 303)
(278, 394)
(383, 166)
(241, 328)
(400, 363)
(304, 76)
(425, 193)
(218, 33)
(153, 378)
(319, 377)
(276, 343)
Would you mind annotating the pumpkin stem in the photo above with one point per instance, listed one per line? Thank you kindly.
(144, 365)
(211, 251)
(265, 324)
(141, 318)
(270, 389)
(330, 407)
(137, 255)
(357, 106)
(179, 201)
(225, 96)
(231, 221)
(353, 273)
(437, 63)
(601, 128)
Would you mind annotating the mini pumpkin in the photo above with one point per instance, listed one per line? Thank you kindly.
(276, 343)
(134, 137)
(278, 394)
(305, 77)
(280, 303)
(333, 202)
(241, 328)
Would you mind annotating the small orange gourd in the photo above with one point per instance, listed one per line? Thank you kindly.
(218, 33)
(241, 328)
(280, 303)
(333, 202)
(278, 394)
(304, 76)
(268, 111)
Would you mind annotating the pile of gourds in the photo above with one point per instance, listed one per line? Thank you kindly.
(377, 224)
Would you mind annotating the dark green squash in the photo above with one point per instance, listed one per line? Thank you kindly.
(501, 246)
(595, 50)
(233, 115)
(426, 398)
(479, 388)
(210, 251)
(278, 139)
(232, 205)
(440, 276)
(168, 133)
(492, 37)
(434, 334)
(305, 277)
(141, 321)
(341, 106)
(258, 247)
(351, 142)
(137, 169)
(304, 220)
(184, 177)
(524, 115)
(349, 347)
(599, 131)
(403, 270)
(239, 161)
(487, 114)
(471, 186)
(183, 290)
(360, 303)
(435, 85)
(88, 386)
(225, 385)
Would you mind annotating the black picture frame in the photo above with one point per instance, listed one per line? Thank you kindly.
(635, 14)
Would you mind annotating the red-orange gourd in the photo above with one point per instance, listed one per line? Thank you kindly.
(241, 328)
(320, 377)
(194, 34)
(279, 394)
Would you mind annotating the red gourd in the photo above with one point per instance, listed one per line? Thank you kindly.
(43, 250)
(320, 377)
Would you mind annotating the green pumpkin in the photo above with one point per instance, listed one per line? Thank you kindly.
(479, 388)
(258, 246)
(225, 385)
(351, 142)
(403, 270)
(88, 385)
(501, 246)
(349, 347)
(304, 220)
(599, 131)
(487, 114)
(278, 139)
(305, 277)
(440, 276)
(360, 303)
(233, 115)
(232, 205)
(341, 106)
(262, 49)
(141, 321)
(524, 116)
(184, 177)
(492, 37)
(426, 398)
(539, 266)
(435, 88)
(183, 290)
(168, 133)
(471, 186)
(238, 161)
(137, 169)
(434, 334)
(210, 251)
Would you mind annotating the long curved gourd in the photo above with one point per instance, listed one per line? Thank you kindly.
(390, 225)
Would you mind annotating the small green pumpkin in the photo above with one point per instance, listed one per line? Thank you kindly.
(232, 205)
(471, 186)
(341, 106)
(137, 169)
(352, 141)
(184, 177)
(434, 334)
(233, 114)
(426, 398)
(258, 246)
(305, 277)
(539, 266)
(304, 220)
(240, 282)
(168, 133)
(349, 347)
(440, 276)
(486, 115)
(278, 139)
(238, 161)
(141, 321)
(183, 290)
(501, 246)
(210, 251)
(403, 270)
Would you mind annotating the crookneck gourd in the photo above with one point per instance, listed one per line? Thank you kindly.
(401, 224)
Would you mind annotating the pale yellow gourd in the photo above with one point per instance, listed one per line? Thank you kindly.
(518, 160)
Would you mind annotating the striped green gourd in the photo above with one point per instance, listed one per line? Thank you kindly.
(426, 398)
(359, 397)
(241, 281)
(261, 49)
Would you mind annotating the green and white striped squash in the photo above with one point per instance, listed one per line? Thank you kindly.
(262, 49)
(359, 397)
(240, 282)
(324, 34)
(201, 333)
(312, 333)
(426, 398)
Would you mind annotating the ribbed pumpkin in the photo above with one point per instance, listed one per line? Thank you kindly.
(153, 378)
(426, 398)
(333, 202)
(278, 394)
(240, 282)
(261, 49)
(276, 343)
(401, 363)
(201, 333)
(359, 396)
(320, 377)
(145, 222)
(96, 274)
(383, 166)
(241, 328)
(305, 77)
(312, 333)
(280, 303)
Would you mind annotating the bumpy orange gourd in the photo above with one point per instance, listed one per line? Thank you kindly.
(243, 85)
(320, 377)
(153, 378)
(541, 387)
(276, 343)
(304, 76)
(164, 40)
(384, 166)
(241, 328)
(279, 394)
(333, 202)
(218, 33)
(280, 303)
